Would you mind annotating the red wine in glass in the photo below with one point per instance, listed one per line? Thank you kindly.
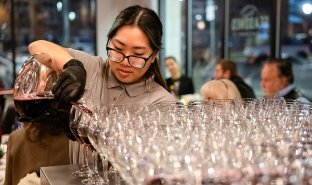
(86, 140)
(73, 129)
(32, 106)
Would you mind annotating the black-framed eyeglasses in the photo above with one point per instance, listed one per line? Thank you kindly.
(134, 61)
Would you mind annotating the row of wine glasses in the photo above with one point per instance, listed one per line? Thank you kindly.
(255, 141)
(81, 125)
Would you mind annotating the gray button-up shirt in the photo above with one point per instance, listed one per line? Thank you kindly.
(105, 89)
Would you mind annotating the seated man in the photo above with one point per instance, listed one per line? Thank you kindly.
(2, 100)
(178, 84)
(277, 80)
(227, 69)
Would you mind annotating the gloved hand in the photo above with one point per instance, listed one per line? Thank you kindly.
(71, 83)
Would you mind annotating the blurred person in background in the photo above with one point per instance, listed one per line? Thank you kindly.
(2, 100)
(178, 84)
(227, 69)
(42, 141)
(277, 80)
(8, 121)
(220, 89)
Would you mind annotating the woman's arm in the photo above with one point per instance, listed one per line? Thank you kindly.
(72, 80)
(59, 55)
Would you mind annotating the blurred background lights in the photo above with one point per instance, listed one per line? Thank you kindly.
(210, 13)
(307, 8)
(59, 6)
(198, 17)
(72, 16)
(201, 25)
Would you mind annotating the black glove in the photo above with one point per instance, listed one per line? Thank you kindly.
(70, 86)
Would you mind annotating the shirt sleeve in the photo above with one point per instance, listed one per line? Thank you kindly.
(92, 64)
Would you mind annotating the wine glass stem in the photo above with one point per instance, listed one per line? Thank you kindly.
(95, 164)
(105, 169)
(85, 156)
(117, 178)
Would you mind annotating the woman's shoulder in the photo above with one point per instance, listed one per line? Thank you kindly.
(18, 133)
(161, 94)
(17, 139)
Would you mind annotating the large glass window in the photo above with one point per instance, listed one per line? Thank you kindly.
(249, 37)
(296, 40)
(6, 65)
(175, 32)
(207, 29)
(247, 32)
(69, 23)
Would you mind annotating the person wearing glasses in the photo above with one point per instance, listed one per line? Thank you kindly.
(130, 75)
(179, 84)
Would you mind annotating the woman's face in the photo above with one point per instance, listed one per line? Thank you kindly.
(130, 40)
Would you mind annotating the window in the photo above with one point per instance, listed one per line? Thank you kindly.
(69, 23)
(296, 41)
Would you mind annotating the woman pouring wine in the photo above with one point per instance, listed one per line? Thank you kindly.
(130, 75)
(45, 124)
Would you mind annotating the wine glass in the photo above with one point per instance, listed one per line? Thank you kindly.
(75, 117)
(94, 132)
(32, 87)
(83, 130)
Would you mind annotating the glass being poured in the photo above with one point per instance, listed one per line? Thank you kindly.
(33, 87)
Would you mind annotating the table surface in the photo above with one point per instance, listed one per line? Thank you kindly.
(62, 175)
(59, 175)
(3, 159)
(2, 169)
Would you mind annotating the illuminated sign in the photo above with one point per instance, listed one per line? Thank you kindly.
(249, 19)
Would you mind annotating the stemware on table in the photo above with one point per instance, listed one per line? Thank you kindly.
(232, 142)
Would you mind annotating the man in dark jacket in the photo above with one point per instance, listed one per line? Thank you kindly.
(178, 83)
(227, 69)
(277, 80)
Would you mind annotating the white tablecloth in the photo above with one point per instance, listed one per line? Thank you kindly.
(2, 169)
(3, 146)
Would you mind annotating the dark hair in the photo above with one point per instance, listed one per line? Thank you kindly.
(38, 131)
(228, 65)
(284, 68)
(50, 125)
(148, 21)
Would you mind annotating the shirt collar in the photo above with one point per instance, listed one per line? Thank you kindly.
(285, 91)
(112, 80)
(132, 89)
(141, 87)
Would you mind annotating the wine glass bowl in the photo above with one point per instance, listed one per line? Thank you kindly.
(33, 84)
